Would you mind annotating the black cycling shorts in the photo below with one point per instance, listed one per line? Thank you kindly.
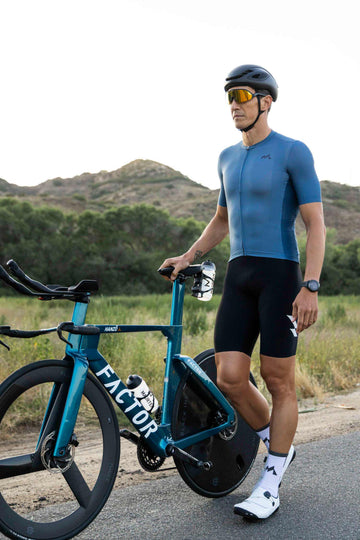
(257, 298)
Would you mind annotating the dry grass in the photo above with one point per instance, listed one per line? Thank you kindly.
(328, 353)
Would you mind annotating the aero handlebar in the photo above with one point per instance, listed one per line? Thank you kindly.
(77, 293)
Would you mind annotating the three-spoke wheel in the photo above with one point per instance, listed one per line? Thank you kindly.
(31, 481)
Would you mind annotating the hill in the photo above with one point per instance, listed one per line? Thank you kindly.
(141, 181)
(157, 184)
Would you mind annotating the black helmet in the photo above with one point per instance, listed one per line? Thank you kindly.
(254, 76)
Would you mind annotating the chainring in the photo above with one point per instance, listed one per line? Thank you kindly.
(147, 459)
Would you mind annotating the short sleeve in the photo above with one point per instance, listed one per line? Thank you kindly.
(222, 196)
(303, 175)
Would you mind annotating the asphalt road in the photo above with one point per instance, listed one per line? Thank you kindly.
(320, 499)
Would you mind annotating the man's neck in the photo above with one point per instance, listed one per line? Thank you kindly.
(255, 135)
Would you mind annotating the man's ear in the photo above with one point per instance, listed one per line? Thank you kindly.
(266, 102)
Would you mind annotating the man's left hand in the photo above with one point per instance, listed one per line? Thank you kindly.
(305, 309)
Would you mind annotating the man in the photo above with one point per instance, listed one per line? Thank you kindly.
(265, 180)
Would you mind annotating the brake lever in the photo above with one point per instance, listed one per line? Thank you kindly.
(59, 332)
(4, 345)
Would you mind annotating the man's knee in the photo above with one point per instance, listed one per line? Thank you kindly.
(232, 385)
(279, 376)
(280, 387)
(233, 370)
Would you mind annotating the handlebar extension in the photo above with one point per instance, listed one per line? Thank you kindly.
(16, 271)
(13, 283)
(79, 292)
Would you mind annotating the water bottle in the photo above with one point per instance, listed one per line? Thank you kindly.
(203, 287)
(142, 392)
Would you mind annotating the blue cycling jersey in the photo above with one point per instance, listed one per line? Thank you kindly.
(262, 187)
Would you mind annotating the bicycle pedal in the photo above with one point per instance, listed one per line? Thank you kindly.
(129, 435)
(205, 465)
(188, 458)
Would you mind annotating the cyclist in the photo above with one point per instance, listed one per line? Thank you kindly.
(265, 180)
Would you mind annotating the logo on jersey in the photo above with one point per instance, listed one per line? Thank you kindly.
(266, 156)
(294, 323)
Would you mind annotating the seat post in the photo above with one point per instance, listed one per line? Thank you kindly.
(177, 303)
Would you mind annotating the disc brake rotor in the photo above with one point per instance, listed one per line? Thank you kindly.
(228, 433)
(52, 464)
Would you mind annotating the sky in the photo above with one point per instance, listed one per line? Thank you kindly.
(90, 85)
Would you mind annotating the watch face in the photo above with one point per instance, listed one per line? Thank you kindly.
(313, 285)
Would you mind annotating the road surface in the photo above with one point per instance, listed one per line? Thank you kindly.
(320, 499)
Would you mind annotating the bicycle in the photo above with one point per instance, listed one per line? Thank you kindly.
(212, 447)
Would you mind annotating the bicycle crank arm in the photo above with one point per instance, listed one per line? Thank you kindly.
(132, 437)
(181, 454)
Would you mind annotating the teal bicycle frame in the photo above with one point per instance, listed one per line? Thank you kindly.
(83, 350)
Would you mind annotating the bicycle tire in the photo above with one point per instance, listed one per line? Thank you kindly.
(232, 459)
(87, 490)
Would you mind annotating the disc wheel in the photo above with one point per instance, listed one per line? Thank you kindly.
(35, 503)
(232, 452)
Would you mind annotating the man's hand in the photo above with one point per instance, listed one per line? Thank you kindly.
(179, 263)
(305, 309)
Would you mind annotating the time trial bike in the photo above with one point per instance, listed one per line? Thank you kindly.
(196, 426)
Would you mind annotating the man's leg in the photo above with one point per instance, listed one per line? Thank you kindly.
(279, 376)
(233, 372)
(281, 281)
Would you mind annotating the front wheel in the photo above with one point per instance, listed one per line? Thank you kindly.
(41, 498)
(232, 451)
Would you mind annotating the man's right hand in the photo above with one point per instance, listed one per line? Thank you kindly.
(179, 263)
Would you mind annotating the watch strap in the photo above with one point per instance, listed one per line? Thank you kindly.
(306, 284)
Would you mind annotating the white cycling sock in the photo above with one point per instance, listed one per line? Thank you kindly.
(264, 434)
(273, 473)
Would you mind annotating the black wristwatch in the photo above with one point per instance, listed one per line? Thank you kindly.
(312, 285)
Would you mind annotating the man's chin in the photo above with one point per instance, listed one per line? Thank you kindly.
(239, 124)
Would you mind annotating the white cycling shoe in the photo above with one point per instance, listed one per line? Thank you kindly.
(260, 505)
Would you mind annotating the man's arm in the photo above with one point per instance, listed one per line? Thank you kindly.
(212, 235)
(305, 306)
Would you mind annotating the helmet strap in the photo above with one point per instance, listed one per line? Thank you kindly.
(256, 119)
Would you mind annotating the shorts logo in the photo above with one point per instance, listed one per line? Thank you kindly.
(294, 323)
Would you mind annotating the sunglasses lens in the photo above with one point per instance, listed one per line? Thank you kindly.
(240, 96)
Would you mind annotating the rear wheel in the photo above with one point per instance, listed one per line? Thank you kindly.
(36, 503)
(232, 451)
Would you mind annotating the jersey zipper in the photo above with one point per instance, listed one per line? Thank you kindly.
(240, 203)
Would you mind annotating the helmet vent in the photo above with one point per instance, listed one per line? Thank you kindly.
(259, 76)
